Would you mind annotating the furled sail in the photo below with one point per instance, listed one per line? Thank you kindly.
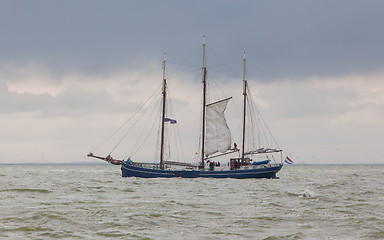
(218, 135)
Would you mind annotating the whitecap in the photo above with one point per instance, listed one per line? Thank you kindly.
(307, 193)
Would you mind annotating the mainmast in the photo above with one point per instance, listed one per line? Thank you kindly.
(204, 103)
(245, 107)
(164, 93)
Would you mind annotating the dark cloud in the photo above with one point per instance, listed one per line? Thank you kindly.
(282, 38)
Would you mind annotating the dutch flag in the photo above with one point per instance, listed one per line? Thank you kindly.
(288, 160)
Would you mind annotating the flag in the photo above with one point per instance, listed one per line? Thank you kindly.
(172, 121)
(288, 160)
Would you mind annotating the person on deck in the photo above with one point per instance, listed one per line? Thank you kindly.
(211, 166)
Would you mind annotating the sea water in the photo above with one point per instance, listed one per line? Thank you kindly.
(95, 202)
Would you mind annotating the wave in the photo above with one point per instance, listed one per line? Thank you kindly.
(26, 190)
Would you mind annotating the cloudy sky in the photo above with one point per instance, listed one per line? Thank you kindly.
(72, 71)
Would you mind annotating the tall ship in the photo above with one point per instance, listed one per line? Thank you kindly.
(217, 155)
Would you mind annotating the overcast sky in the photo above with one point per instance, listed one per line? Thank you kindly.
(71, 71)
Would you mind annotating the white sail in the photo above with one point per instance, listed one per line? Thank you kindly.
(218, 135)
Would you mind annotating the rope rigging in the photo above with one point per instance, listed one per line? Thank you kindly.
(183, 64)
(149, 133)
(140, 123)
(130, 129)
(127, 121)
(258, 134)
(259, 127)
(176, 133)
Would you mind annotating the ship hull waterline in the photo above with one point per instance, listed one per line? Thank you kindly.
(129, 170)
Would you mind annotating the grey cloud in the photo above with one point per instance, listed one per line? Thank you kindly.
(79, 102)
(283, 38)
(11, 102)
(71, 102)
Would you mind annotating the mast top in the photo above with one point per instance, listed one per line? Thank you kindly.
(164, 62)
(203, 57)
(244, 60)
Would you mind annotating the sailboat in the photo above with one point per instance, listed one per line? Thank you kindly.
(215, 142)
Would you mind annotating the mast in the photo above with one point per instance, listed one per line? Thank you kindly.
(245, 107)
(204, 103)
(164, 93)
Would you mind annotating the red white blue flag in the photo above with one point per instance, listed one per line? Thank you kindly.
(288, 160)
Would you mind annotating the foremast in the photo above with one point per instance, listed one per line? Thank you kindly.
(204, 106)
(244, 107)
(164, 94)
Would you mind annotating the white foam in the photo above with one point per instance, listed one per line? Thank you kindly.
(307, 193)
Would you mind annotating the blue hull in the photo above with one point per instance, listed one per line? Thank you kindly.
(129, 170)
